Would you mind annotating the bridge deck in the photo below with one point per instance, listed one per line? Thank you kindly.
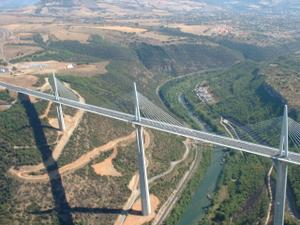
(219, 140)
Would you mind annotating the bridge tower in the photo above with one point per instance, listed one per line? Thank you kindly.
(59, 111)
(144, 188)
(282, 169)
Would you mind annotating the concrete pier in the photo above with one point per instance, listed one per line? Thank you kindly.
(144, 188)
(282, 170)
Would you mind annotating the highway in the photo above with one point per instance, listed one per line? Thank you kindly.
(219, 140)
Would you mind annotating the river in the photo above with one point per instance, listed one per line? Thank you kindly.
(200, 200)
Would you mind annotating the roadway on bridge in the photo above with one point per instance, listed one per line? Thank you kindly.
(222, 141)
(26, 172)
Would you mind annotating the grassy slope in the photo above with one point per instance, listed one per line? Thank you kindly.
(283, 73)
(184, 58)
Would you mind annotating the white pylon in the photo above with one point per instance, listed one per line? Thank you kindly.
(59, 111)
(144, 188)
(282, 169)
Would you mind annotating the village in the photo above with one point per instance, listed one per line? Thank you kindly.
(203, 93)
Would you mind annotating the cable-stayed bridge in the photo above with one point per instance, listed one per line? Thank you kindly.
(151, 116)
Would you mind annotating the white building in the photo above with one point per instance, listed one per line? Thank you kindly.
(70, 66)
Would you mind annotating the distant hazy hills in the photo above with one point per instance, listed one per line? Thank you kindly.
(10, 4)
(61, 2)
(229, 4)
(255, 4)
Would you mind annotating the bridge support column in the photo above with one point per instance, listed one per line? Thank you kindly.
(59, 111)
(281, 169)
(144, 188)
(280, 196)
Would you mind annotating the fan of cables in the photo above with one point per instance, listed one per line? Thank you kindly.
(150, 111)
(294, 133)
(266, 132)
(63, 91)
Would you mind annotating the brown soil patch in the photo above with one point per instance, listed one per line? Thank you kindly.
(71, 36)
(27, 81)
(134, 182)
(22, 27)
(48, 67)
(46, 86)
(24, 172)
(7, 19)
(24, 81)
(147, 139)
(4, 107)
(106, 168)
(207, 30)
(46, 112)
(117, 28)
(10, 17)
(84, 11)
(15, 51)
(58, 31)
(139, 220)
(87, 70)
(54, 122)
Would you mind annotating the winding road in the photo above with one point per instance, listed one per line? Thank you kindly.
(167, 207)
(24, 172)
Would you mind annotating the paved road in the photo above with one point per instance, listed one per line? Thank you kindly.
(222, 141)
(168, 206)
(173, 163)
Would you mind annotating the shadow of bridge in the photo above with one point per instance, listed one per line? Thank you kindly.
(61, 207)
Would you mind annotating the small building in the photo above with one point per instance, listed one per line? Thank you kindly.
(70, 66)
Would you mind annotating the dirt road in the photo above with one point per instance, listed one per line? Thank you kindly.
(25, 172)
(71, 124)
(186, 143)
(166, 208)
(106, 167)
(270, 195)
(77, 164)
(134, 185)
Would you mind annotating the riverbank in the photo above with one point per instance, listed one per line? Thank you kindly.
(207, 185)
(243, 178)
(193, 202)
